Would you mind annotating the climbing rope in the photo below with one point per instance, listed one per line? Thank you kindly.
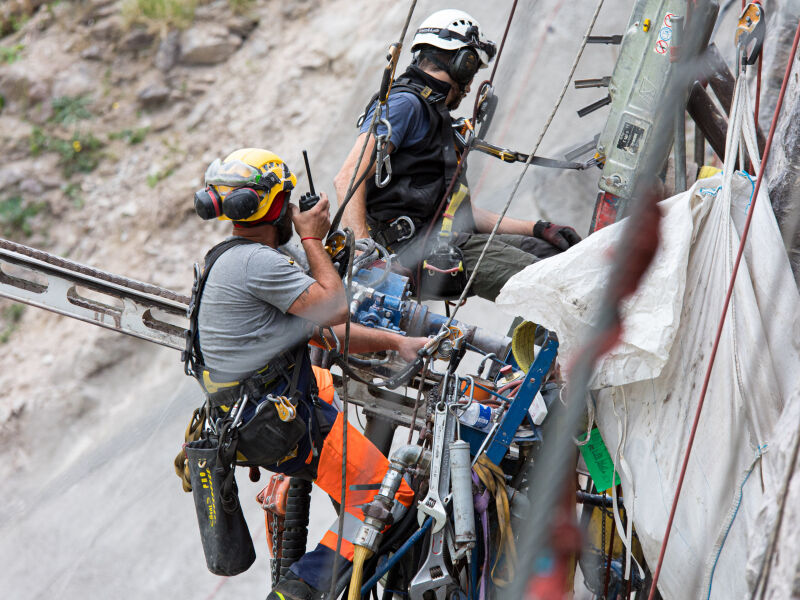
(350, 241)
(383, 94)
(388, 77)
(527, 163)
(726, 304)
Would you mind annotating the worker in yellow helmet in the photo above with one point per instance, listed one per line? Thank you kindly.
(255, 313)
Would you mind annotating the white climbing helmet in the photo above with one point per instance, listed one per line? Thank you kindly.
(452, 29)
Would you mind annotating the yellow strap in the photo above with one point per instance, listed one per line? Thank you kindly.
(193, 431)
(455, 201)
(493, 478)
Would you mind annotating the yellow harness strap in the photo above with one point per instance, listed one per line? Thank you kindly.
(193, 431)
(492, 477)
(450, 212)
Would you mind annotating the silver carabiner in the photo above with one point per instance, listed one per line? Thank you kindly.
(382, 160)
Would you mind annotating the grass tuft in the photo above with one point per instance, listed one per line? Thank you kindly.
(175, 12)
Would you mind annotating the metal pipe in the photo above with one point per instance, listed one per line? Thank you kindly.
(596, 499)
(708, 118)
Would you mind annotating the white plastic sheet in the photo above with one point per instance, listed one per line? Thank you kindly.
(654, 377)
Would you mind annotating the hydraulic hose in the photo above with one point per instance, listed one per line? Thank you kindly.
(378, 513)
(360, 554)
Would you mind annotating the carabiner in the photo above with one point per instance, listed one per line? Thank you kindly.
(749, 37)
(382, 159)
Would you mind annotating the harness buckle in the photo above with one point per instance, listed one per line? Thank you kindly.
(405, 225)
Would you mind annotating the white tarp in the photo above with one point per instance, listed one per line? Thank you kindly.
(654, 377)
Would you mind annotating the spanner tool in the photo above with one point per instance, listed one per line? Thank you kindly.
(434, 574)
(432, 504)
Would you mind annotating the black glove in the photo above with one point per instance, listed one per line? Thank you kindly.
(561, 236)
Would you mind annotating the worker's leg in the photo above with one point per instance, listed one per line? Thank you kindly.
(502, 260)
(365, 465)
(531, 245)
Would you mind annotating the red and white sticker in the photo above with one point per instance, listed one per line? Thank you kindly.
(664, 35)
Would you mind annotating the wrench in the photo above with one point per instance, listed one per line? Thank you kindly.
(433, 576)
(432, 504)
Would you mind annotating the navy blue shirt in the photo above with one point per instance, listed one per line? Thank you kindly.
(407, 116)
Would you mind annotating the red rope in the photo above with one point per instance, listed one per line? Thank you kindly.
(724, 312)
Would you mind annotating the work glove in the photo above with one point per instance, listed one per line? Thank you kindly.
(562, 237)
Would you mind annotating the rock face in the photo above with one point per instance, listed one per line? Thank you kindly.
(208, 44)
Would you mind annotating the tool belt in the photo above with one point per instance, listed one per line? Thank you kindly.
(224, 391)
(395, 231)
(265, 426)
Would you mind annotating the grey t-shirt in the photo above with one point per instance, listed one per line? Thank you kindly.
(243, 321)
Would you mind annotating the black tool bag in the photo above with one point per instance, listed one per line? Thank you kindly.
(443, 275)
(227, 544)
(265, 438)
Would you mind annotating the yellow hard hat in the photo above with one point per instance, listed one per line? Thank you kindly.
(250, 184)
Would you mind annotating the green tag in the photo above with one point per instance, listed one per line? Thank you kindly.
(598, 461)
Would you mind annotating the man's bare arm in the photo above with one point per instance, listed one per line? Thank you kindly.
(355, 213)
(324, 301)
(485, 220)
(367, 339)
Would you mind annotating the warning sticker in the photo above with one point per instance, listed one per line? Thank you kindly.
(630, 138)
(664, 35)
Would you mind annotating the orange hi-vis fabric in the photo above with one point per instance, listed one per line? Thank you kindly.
(324, 384)
(365, 465)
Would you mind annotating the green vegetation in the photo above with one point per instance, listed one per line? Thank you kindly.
(11, 54)
(132, 136)
(176, 12)
(68, 110)
(10, 317)
(15, 214)
(78, 154)
(240, 6)
(73, 192)
(154, 178)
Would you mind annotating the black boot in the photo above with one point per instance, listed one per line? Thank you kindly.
(293, 588)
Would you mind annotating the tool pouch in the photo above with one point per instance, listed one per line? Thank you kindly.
(265, 438)
(443, 274)
(227, 544)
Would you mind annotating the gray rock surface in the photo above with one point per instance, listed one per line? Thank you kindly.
(208, 44)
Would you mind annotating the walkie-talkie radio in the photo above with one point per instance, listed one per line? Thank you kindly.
(308, 200)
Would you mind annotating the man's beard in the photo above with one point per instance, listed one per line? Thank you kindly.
(454, 104)
(285, 231)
